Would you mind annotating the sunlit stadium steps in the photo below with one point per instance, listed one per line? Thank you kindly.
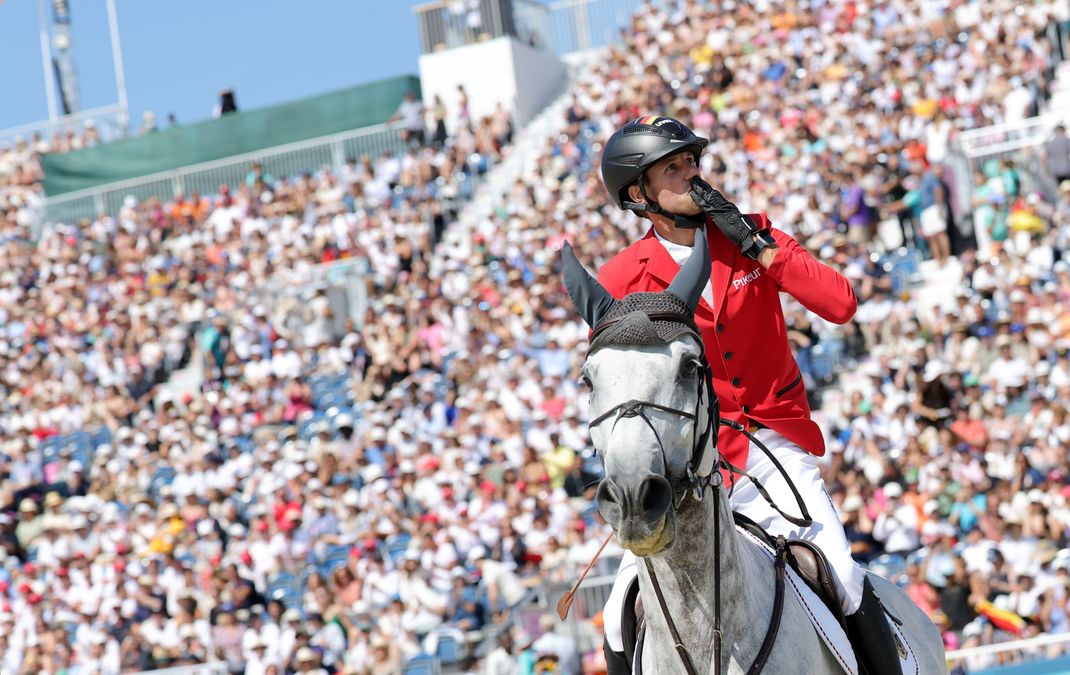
(1060, 90)
(939, 286)
(528, 143)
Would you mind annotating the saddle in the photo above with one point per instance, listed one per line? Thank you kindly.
(804, 557)
(808, 561)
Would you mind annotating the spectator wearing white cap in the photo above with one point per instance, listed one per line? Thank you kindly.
(417, 594)
(553, 641)
(1008, 372)
(31, 523)
(328, 637)
(307, 661)
(896, 526)
(258, 660)
(290, 625)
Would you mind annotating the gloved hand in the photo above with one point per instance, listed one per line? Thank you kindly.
(725, 215)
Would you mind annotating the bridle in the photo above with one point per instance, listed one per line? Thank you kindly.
(696, 486)
(693, 484)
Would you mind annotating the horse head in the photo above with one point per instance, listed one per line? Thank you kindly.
(652, 407)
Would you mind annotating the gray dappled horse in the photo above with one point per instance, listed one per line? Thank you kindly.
(651, 424)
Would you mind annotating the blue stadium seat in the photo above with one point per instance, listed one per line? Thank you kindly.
(163, 476)
(303, 576)
(837, 348)
(307, 429)
(396, 547)
(80, 440)
(83, 455)
(449, 649)
(69, 627)
(51, 447)
(889, 565)
(904, 267)
(821, 362)
(284, 587)
(245, 444)
(594, 466)
(421, 664)
(101, 436)
(336, 553)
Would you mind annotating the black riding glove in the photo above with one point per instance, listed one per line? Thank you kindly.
(727, 218)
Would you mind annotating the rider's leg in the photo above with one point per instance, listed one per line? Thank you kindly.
(611, 614)
(616, 663)
(869, 626)
(857, 599)
(826, 532)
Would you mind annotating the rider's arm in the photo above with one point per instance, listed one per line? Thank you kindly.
(819, 288)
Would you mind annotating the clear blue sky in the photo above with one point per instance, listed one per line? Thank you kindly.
(178, 54)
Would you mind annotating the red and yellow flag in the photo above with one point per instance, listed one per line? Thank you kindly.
(1003, 619)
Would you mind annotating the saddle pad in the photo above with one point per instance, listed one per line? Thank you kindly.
(829, 628)
(908, 662)
(824, 623)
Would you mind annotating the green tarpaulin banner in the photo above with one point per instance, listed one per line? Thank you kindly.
(230, 135)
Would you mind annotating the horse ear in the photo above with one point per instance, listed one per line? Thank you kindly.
(591, 300)
(692, 277)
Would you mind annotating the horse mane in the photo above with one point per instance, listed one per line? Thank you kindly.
(644, 318)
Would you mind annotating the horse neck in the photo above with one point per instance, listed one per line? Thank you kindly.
(686, 574)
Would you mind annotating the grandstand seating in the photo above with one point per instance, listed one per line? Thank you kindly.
(422, 664)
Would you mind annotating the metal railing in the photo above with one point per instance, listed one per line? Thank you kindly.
(1031, 650)
(1020, 142)
(562, 27)
(568, 26)
(106, 120)
(589, 600)
(446, 24)
(287, 160)
(594, 593)
(1011, 136)
(213, 668)
(288, 294)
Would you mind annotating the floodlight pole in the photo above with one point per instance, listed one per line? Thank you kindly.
(46, 61)
(120, 76)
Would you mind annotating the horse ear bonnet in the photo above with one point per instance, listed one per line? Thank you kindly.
(629, 321)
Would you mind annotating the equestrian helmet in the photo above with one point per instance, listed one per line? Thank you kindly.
(637, 146)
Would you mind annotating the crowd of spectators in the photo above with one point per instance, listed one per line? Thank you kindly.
(249, 522)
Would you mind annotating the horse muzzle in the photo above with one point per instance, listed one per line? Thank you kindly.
(639, 515)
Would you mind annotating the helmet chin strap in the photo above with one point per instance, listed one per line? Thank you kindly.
(651, 206)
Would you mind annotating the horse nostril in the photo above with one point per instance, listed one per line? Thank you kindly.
(655, 498)
(609, 501)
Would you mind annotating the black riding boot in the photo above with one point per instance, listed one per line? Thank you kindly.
(875, 645)
(616, 664)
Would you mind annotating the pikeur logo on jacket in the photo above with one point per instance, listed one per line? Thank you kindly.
(755, 375)
(746, 279)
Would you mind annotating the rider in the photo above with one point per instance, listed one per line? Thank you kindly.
(651, 166)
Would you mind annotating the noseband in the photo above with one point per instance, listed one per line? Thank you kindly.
(690, 482)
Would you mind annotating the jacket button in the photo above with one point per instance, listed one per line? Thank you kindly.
(736, 381)
(720, 328)
(746, 408)
(728, 356)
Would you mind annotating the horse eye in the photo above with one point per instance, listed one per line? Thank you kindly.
(586, 381)
(689, 368)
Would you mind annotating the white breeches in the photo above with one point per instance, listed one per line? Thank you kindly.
(827, 532)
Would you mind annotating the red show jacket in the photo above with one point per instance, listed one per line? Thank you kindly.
(754, 372)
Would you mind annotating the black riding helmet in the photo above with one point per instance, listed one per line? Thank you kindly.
(637, 146)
